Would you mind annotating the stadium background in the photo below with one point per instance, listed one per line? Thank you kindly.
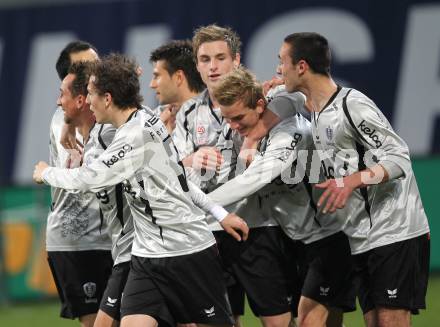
(388, 49)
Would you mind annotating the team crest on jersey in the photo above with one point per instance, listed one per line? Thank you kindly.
(90, 291)
(201, 129)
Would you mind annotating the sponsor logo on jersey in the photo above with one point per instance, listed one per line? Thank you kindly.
(210, 312)
(116, 157)
(296, 138)
(329, 133)
(392, 294)
(90, 291)
(323, 291)
(111, 302)
(371, 133)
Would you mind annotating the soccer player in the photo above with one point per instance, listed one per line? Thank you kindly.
(114, 209)
(217, 52)
(278, 174)
(175, 79)
(370, 182)
(77, 242)
(175, 274)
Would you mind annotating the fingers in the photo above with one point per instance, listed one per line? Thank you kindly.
(234, 234)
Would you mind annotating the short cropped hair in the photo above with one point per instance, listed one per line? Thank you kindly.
(178, 55)
(239, 85)
(118, 75)
(81, 70)
(213, 33)
(312, 48)
(63, 62)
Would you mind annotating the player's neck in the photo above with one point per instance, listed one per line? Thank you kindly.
(184, 96)
(120, 117)
(85, 124)
(320, 90)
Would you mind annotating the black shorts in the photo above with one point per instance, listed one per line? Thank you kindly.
(326, 272)
(80, 278)
(111, 300)
(188, 288)
(264, 268)
(394, 275)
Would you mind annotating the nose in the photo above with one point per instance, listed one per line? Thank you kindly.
(153, 84)
(59, 102)
(234, 125)
(213, 65)
(279, 72)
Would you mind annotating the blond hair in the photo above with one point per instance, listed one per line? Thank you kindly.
(213, 33)
(239, 85)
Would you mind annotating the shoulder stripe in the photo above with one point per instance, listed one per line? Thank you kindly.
(185, 123)
(350, 120)
(101, 141)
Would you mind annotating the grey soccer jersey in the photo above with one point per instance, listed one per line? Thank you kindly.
(112, 200)
(352, 134)
(143, 157)
(74, 223)
(198, 124)
(277, 175)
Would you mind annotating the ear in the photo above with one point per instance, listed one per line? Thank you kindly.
(261, 106)
(303, 66)
(80, 101)
(237, 60)
(108, 99)
(178, 77)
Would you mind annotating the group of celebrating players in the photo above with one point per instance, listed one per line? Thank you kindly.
(296, 193)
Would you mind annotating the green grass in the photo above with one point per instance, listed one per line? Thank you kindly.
(46, 314)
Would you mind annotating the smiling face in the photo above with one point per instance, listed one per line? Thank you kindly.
(214, 60)
(242, 118)
(290, 72)
(164, 84)
(67, 101)
(98, 103)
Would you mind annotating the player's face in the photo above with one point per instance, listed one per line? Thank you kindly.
(242, 118)
(214, 60)
(164, 84)
(97, 102)
(67, 101)
(287, 69)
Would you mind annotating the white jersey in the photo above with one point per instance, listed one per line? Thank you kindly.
(112, 200)
(352, 134)
(143, 157)
(74, 222)
(276, 175)
(198, 124)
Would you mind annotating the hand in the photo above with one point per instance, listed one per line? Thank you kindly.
(336, 194)
(38, 172)
(248, 150)
(275, 81)
(168, 117)
(68, 138)
(233, 223)
(207, 157)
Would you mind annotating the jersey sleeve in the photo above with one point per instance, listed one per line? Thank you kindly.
(286, 105)
(201, 200)
(279, 155)
(182, 137)
(124, 156)
(367, 125)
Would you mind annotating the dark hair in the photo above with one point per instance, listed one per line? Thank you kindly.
(81, 70)
(64, 62)
(312, 48)
(177, 55)
(118, 75)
